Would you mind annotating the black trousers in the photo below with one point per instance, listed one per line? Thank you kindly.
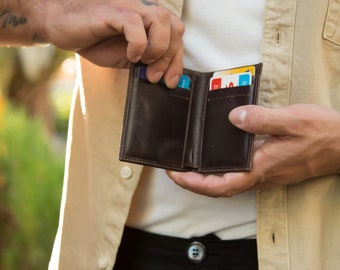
(146, 251)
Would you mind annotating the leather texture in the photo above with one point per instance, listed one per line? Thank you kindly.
(186, 130)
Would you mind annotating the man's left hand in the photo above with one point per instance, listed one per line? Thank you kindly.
(301, 142)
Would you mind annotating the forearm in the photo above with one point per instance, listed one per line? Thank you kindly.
(18, 23)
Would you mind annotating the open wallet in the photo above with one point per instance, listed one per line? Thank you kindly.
(187, 128)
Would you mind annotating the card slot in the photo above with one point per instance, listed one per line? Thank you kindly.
(160, 88)
(231, 92)
(223, 144)
(156, 126)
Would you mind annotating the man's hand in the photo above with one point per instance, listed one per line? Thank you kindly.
(109, 33)
(303, 141)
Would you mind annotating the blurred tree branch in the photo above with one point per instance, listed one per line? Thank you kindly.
(27, 82)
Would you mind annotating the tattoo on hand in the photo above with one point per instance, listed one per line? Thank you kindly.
(8, 18)
(149, 3)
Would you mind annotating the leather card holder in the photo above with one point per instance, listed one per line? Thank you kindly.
(186, 129)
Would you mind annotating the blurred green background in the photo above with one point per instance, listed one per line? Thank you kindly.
(35, 93)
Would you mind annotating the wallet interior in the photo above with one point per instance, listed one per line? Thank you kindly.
(186, 129)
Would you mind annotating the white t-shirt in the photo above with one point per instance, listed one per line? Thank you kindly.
(219, 34)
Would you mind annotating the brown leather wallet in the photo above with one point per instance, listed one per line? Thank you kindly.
(186, 129)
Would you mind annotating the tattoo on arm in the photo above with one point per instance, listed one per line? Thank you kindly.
(149, 3)
(9, 19)
(38, 39)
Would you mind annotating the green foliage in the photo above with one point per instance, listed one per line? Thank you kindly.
(31, 175)
(6, 68)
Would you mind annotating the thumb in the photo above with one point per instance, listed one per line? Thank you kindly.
(260, 120)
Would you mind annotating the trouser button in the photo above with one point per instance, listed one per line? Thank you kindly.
(196, 252)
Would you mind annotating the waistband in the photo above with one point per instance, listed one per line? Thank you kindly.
(167, 252)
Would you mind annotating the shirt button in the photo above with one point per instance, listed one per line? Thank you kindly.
(125, 172)
(196, 252)
(102, 263)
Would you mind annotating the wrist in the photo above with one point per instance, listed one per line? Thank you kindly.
(36, 13)
(18, 23)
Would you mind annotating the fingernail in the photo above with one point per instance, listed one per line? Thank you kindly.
(237, 116)
(243, 115)
(148, 61)
(172, 83)
(136, 59)
(155, 77)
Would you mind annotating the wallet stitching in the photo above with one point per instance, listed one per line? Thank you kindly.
(169, 165)
(227, 97)
(203, 124)
(127, 109)
(185, 144)
(166, 165)
(178, 167)
(199, 150)
(254, 101)
(250, 144)
(170, 94)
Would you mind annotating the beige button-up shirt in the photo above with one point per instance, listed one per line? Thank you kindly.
(298, 225)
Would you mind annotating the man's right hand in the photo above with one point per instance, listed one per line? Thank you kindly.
(110, 33)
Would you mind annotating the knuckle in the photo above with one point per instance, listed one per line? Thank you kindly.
(159, 51)
(132, 18)
(167, 58)
(163, 13)
(179, 28)
(129, 16)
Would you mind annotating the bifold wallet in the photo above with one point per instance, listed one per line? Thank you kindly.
(187, 128)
